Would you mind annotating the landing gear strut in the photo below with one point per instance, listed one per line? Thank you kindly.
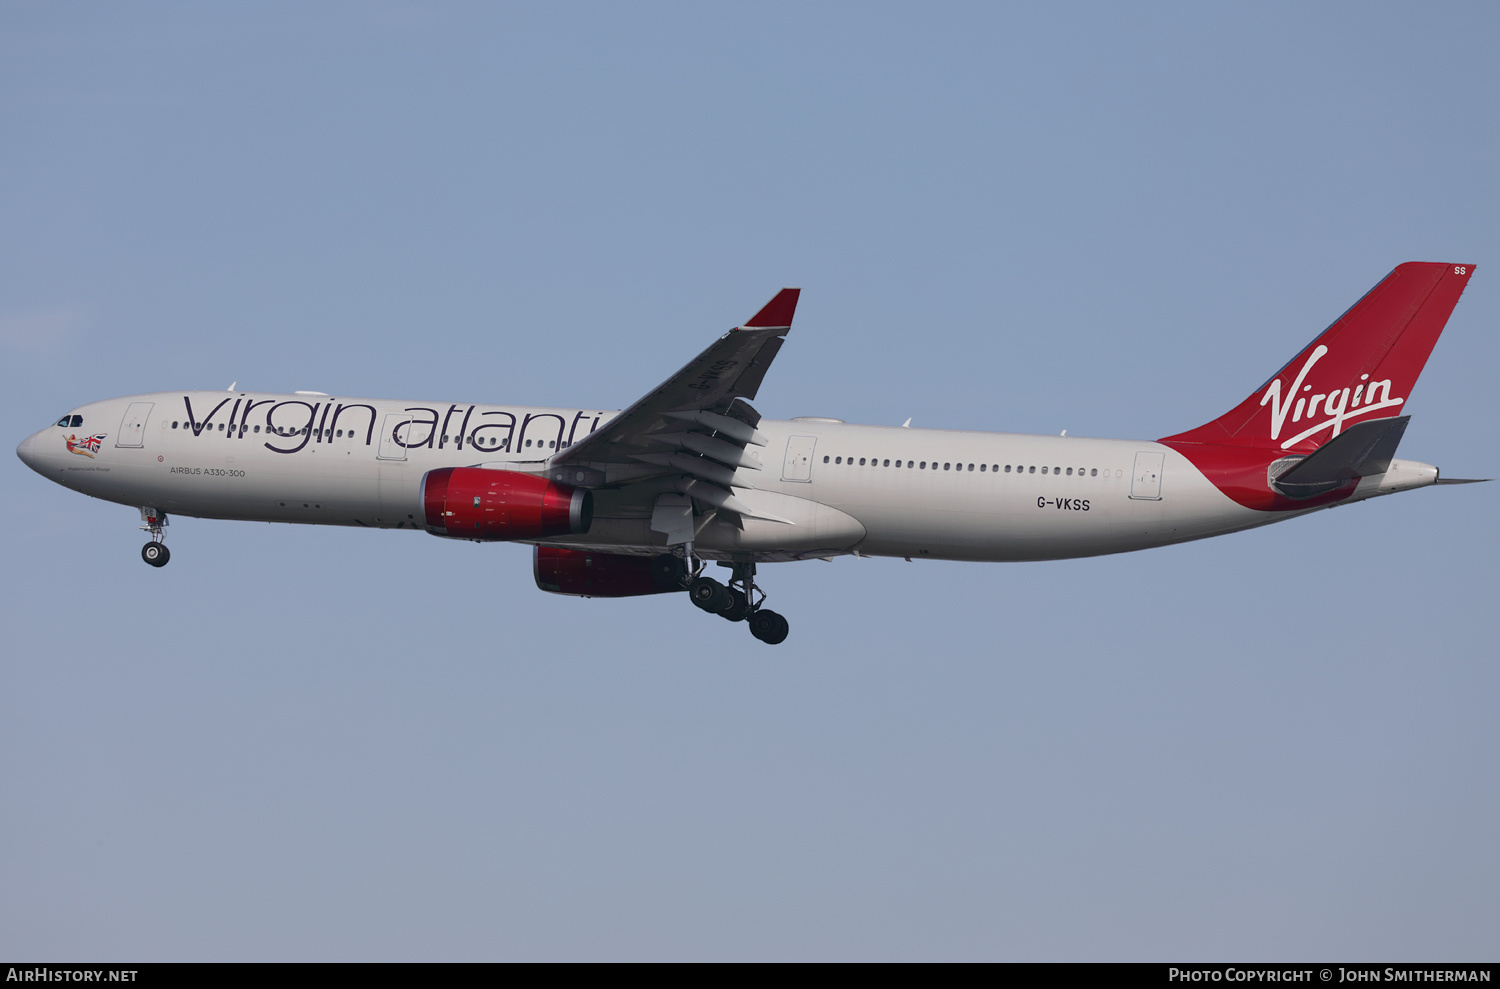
(740, 601)
(155, 552)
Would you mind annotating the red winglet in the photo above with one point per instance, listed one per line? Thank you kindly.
(777, 312)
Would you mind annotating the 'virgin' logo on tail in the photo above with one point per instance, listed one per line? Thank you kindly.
(1338, 405)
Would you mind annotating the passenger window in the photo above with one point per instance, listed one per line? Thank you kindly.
(887, 463)
(982, 468)
(551, 444)
(971, 467)
(1032, 469)
(1044, 470)
(1070, 472)
(174, 423)
(221, 427)
(1094, 472)
(923, 465)
(257, 429)
(1007, 468)
(825, 460)
(995, 467)
(947, 466)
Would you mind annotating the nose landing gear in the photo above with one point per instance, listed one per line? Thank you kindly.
(740, 601)
(155, 552)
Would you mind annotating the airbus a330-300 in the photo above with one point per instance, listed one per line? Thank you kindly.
(639, 501)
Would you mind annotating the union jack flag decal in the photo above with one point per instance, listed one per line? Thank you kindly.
(86, 447)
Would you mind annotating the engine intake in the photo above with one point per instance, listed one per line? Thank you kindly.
(605, 575)
(478, 503)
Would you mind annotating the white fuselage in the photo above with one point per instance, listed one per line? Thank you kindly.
(825, 487)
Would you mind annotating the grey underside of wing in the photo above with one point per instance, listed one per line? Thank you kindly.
(731, 368)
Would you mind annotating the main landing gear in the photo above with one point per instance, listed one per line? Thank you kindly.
(740, 601)
(155, 552)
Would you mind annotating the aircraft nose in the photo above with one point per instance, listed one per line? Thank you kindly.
(28, 453)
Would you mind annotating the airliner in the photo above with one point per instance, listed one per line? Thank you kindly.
(640, 501)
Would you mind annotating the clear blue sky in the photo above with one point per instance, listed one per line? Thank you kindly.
(296, 743)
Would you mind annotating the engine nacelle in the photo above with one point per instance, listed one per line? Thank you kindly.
(478, 503)
(605, 575)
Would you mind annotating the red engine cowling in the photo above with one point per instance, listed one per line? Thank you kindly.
(604, 575)
(477, 503)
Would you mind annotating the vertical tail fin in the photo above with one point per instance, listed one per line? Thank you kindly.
(1361, 368)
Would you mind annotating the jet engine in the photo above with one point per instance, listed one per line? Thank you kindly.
(478, 503)
(605, 575)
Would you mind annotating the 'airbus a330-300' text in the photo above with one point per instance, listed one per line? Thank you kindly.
(637, 502)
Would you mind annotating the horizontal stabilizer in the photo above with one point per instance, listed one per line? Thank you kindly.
(1361, 450)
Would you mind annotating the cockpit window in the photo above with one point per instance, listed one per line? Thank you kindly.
(73, 421)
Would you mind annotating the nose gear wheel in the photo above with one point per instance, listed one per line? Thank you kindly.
(155, 552)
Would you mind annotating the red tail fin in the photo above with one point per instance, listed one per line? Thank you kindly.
(1361, 368)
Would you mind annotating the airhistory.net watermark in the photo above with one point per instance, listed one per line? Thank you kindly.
(44, 973)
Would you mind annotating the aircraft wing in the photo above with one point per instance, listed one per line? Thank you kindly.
(698, 423)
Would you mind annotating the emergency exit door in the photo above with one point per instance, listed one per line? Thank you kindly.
(799, 454)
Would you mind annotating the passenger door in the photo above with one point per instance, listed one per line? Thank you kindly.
(133, 426)
(1145, 482)
(394, 435)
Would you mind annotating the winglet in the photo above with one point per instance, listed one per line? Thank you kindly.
(777, 312)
